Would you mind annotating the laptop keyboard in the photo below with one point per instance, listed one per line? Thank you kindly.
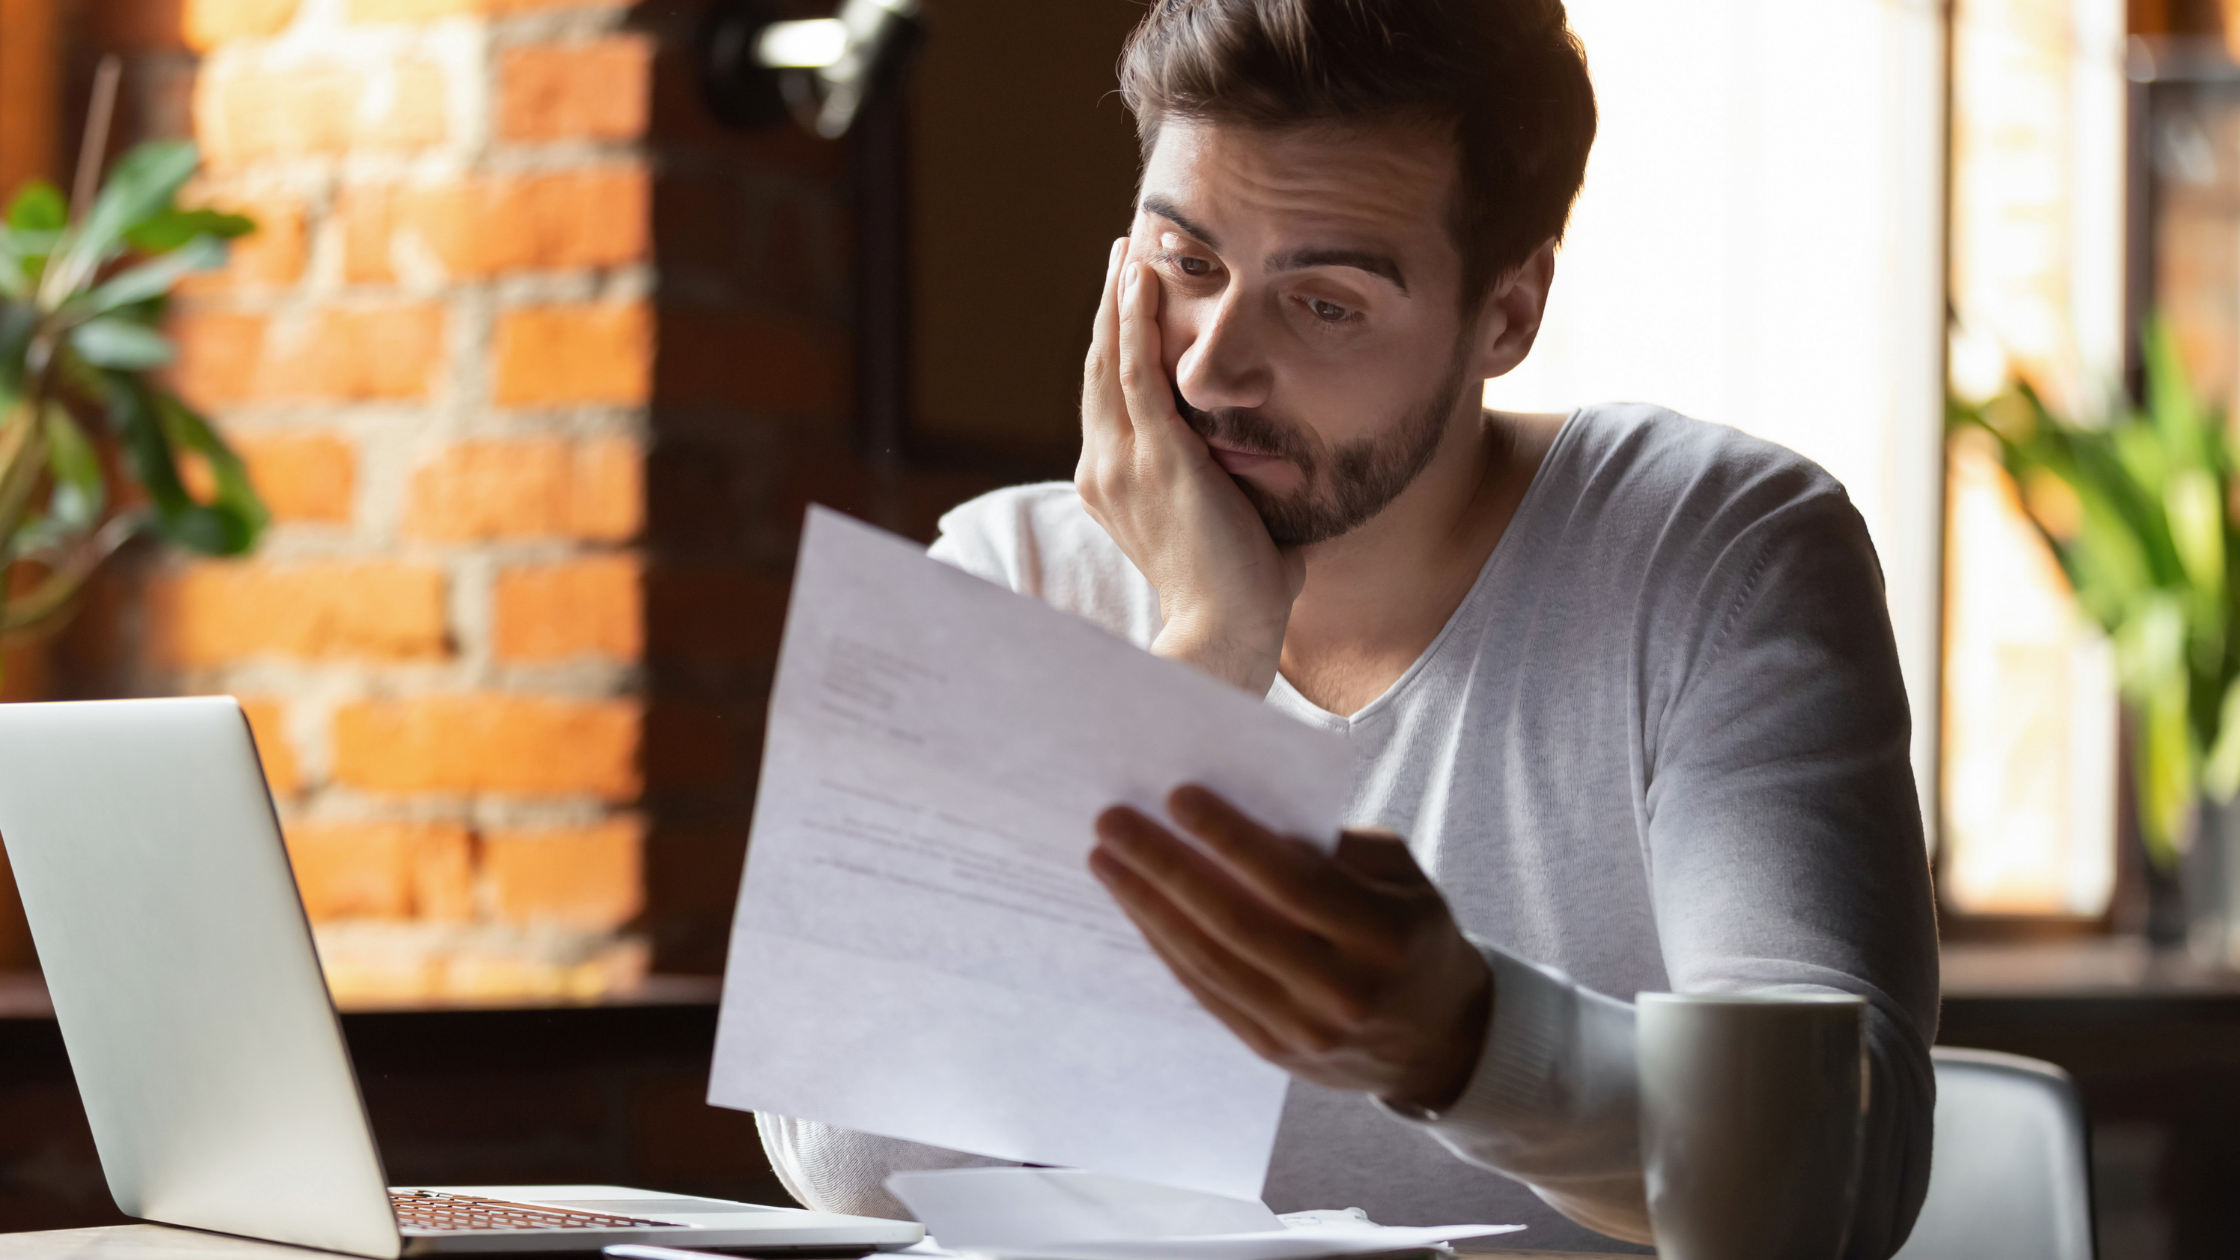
(426, 1209)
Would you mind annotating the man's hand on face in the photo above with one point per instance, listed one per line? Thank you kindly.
(1225, 591)
(1347, 971)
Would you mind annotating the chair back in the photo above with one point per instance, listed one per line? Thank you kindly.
(2011, 1178)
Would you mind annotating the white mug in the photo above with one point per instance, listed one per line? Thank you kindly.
(1752, 1114)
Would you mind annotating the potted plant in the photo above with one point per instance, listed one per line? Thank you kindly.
(2140, 509)
(91, 441)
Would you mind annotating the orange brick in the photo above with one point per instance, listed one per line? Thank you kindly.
(490, 742)
(748, 363)
(530, 488)
(219, 356)
(553, 612)
(597, 352)
(346, 354)
(336, 354)
(581, 877)
(301, 476)
(270, 256)
(383, 870)
(209, 23)
(246, 115)
(606, 499)
(216, 612)
(268, 722)
(591, 91)
(590, 218)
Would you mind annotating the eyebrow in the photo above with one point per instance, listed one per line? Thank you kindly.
(1167, 210)
(1374, 263)
(1360, 259)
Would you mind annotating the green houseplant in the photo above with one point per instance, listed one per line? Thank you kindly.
(91, 442)
(2140, 510)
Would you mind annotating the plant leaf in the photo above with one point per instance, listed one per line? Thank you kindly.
(22, 459)
(2195, 512)
(140, 186)
(18, 320)
(2167, 771)
(17, 274)
(236, 499)
(50, 601)
(2220, 771)
(23, 260)
(150, 424)
(38, 207)
(151, 279)
(2170, 403)
(170, 229)
(115, 342)
(80, 490)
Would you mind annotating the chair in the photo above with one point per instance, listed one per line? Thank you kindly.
(2011, 1178)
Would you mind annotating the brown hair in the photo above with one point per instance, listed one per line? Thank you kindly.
(1506, 78)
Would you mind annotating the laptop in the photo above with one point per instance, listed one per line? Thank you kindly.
(205, 1045)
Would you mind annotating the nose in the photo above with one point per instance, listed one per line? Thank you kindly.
(1225, 364)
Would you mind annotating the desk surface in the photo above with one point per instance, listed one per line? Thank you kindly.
(2093, 968)
(161, 1242)
(2084, 968)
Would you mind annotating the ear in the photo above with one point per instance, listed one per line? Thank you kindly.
(1510, 319)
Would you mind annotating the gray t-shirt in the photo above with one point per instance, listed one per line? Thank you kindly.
(1661, 745)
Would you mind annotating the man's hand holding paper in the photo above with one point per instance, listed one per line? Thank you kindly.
(920, 949)
(1344, 969)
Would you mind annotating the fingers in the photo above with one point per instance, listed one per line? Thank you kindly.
(1203, 913)
(1101, 399)
(1143, 372)
(1378, 854)
(1250, 1002)
(1105, 429)
(1287, 873)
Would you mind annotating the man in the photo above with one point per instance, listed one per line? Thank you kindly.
(1623, 685)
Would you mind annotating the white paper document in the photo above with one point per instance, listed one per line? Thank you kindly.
(1063, 1214)
(919, 949)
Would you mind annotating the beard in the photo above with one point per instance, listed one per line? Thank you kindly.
(1345, 486)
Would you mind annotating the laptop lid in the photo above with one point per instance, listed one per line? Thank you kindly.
(182, 971)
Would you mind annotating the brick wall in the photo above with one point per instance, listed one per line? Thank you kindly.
(536, 368)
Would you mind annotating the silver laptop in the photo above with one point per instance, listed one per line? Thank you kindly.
(207, 1051)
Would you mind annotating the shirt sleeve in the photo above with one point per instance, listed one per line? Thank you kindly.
(1785, 854)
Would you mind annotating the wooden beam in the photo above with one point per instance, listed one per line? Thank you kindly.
(30, 91)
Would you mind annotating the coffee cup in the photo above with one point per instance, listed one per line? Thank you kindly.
(1752, 1115)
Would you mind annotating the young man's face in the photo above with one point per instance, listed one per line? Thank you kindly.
(1310, 318)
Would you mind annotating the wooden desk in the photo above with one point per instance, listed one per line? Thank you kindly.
(615, 1092)
(161, 1242)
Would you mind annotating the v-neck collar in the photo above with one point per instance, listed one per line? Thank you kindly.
(1289, 698)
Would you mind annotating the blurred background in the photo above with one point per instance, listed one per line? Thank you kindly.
(539, 350)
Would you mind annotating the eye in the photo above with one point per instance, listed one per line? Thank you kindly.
(1193, 266)
(1327, 312)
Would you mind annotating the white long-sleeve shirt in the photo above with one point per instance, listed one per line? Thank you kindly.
(1661, 745)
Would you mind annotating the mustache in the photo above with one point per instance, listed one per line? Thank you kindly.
(1246, 429)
